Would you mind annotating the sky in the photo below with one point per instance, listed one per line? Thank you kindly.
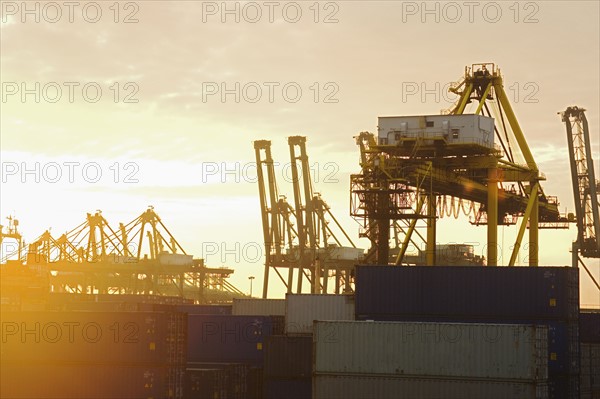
(120, 106)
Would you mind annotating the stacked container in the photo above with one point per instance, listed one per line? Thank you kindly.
(228, 344)
(227, 381)
(92, 354)
(589, 327)
(521, 295)
(429, 360)
(288, 367)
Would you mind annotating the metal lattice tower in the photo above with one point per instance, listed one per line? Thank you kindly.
(585, 186)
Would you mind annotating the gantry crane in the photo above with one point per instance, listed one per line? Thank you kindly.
(299, 238)
(316, 251)
(12, 231)
(94, 258)
(278, 229)
(405, 179)
(585, 187)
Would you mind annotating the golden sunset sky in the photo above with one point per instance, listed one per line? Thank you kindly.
(161, 131)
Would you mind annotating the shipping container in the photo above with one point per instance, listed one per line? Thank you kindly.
(205, 309)
(278, 324)
(61, 381)
(589, 326)
(563, 338)
(98, 337)
(590, 371)
(288, 357)
(275, 388)
(564, 387)
(213, 380)
(449, 350)
(255, 383)
(381, 387)
(514, 293)
(228, 339)
(258, 307)
(205, 383)
(303, 309)
(541, 295)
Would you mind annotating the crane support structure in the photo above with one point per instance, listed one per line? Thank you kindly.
(585, 186)
(301, 238)
(277, 215)
(496, 171)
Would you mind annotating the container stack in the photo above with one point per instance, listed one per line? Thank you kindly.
(589, 333)
(543, 296)
(92, 354)
(288, 357)
(226, 355)
(288, 367)
(429, 360)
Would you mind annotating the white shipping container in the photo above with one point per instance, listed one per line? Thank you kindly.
(378, 387)
(258, 307)
(301, 310)
(453, 350)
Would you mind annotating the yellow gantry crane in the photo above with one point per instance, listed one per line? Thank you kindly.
(141, 257)
(300, 238)
(278, 229)
(416, 161)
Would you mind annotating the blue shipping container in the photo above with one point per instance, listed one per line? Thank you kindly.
(516, 293)
(228, 339)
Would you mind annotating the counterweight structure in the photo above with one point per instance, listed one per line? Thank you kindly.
(299, 238)
(416, 166)
(141, 257)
